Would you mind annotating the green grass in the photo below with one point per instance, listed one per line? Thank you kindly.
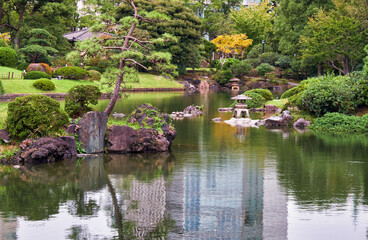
(3, 114)
(63, 86)
(7, 69)
(277, 102)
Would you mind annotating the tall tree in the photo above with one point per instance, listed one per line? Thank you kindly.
(335, 38)
(125, 49)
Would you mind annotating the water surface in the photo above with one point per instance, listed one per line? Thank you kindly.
(218, 182)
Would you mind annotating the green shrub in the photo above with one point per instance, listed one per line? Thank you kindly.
(223, 76)
(215, 64)
(78, 98)
(8, 57)
(36, 75)
(3, 43)
(283, 62)
(258, 49)
(44, 84)
(1, 88)
(42, 67)
(360, 84)
(34, 116)
(240, 69)
(254, 62)
(75, 73)
(269, 57)
(329, 94)
(256, 101)
(95, 75)
(264, 68)
(337, 122)
(230, 62)
(265, 93)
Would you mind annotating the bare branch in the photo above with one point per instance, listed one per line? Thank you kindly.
(137, 63)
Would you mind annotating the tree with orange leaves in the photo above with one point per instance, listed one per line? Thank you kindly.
(231, 44)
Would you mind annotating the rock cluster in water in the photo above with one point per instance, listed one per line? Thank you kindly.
(190, 111)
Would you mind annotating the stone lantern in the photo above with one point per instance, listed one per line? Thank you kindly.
(240, 110)
(235, 84)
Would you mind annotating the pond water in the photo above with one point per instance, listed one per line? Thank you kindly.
(218, 182)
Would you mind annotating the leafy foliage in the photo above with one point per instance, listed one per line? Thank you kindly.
(230, 44)
(36, 75)
(337, 122)
(329, 94)
(229, 63)
(8, 57)
(295, 90)
(74, 73)
(44, 84)
(3, 43)
(79, 97)
(241, 68)
(256, 101)
(264, 68)
(95, 75)
(265, 93)
(1, 88)
(34, 116)
(42, 67)
(223, 76)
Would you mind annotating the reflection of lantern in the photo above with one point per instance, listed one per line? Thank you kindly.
(234, 84)
(241, 106)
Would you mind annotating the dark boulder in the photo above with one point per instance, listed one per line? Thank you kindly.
(301, 123)
(121, 139)
(4, 136)
(277, 121)
(47, 150)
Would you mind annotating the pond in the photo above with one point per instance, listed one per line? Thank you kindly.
(218, 182)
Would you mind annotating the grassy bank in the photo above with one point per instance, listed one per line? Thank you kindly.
(7, 69)
(62, 86)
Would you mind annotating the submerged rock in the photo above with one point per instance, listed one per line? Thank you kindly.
(277, 121)
(245, 122)
(301, 124)
(190, 111)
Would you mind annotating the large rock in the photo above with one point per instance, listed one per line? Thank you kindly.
(301, 123)
(91, 131)
(46, 150)
(148, 138)
(4, 136)
(278, 121)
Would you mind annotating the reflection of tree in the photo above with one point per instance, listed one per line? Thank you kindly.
(320, 169)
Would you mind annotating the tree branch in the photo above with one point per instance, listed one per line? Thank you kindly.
(137, 63)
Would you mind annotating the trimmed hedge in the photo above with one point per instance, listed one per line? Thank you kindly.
(256, 101)
(264, 68)
(42, 67)
(78, 98)
(95, 75)
(34, 116)
(265, 93)
(240, 69)
(8, 57)
(36, 75)
(44, 84)
(73, 73)
(337, 122)
(223, 76)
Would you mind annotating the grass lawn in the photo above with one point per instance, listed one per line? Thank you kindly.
(3, 114)
(62, 86)
(8, 69)
(277, 102)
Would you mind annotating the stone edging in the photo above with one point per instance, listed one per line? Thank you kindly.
(104, 95)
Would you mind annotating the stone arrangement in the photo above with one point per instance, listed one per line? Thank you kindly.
(190, 111)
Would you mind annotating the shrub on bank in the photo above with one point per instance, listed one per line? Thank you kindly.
(265, 93)
(74, 73)
(44, 84)
(8, 57)
(223, 76)
(295, 90)
(42, 67)
(78, 98)
(34, 116)
(337, 122)
(257, 100)
(95, 75)
(229, 63)
(264, 68)
(240, 69)
(36, 75)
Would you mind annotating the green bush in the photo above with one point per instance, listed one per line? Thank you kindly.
(223, 76)
(1, 88)
(74, 73)
(36, 75)
(215, 64)
(44, 84)
(8, 57)
(258, 49)
(95, 75)
(78, 98)
(230, 62)
(269, 57)
(256, 101)
(34, 116)
(329, 94)
(337, 122)
(360, 84)
(240, 69)
(283, 62)
(264, 68)
(3, 43)
(265, 93)
(293, 91)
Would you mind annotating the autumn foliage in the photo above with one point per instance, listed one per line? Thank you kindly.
(232, 44)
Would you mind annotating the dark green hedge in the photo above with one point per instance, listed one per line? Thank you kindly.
(74, 73)
(36, 75)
